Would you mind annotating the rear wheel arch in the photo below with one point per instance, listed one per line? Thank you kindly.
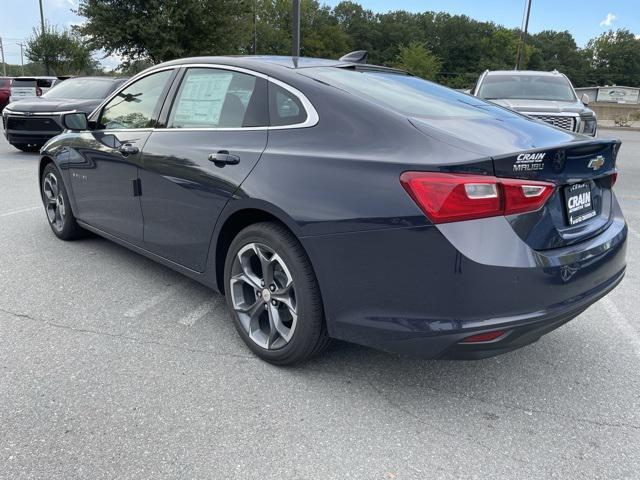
(233, 224)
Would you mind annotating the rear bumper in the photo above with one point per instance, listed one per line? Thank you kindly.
(420, 291)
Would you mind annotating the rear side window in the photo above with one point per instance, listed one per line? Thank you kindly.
(284, 107)
(135, 106)
(216, 98)
(45, 82)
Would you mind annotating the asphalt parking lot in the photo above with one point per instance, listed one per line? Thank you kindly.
(112, 366)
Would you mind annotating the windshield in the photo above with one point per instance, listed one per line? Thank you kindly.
(411, 96)
(529, 87)
(81, 89)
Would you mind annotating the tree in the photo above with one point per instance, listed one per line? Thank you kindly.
(63, 51)
(417, 60)
(558, 51)
(615, 58)
(321, 34)
(161, 30)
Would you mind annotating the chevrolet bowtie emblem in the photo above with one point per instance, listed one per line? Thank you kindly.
(596, 163)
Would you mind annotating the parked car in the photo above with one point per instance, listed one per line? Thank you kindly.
(29, 123)
(29, 87)
(547, 96)
(335, 199)
(5, 91)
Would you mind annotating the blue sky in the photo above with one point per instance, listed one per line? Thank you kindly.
(585, 19)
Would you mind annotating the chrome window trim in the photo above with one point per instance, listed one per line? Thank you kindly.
(312, 115)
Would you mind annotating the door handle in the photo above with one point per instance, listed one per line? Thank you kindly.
(128, 149)
(223, 157)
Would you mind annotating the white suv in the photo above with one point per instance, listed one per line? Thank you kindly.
(547, 96)
(28, 87)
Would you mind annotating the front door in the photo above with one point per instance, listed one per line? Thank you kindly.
(216, 134)
(103, 165)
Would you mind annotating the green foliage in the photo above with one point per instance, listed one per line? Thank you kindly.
(160, 30)
(615, 58)
(63, 51)
(321, 35)
(151, 31)
(418, 60)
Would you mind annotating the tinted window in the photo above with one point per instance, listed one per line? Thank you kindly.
(20, 83)
(45, 82)
(212, 98)
(533, 87)
(134, 106)
(284, 107)
(81, 88)
(411, 96)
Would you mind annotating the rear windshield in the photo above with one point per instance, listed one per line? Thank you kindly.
(24, 82)
(527, 87)
(81, 89)
(5, 82)
(411, 96)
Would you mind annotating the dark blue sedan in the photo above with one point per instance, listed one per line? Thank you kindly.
(330, 199)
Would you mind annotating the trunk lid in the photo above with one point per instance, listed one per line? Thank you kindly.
(522, 148)
(581, 205)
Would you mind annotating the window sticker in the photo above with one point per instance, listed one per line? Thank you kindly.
(201, 98)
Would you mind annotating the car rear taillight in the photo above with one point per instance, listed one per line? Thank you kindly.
(449, 197)
(38, 91)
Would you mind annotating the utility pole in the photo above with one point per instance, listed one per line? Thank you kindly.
(22, 57)
(46, 64)
(295, 50)
(4, 65)
(255, 28)
(523, 36)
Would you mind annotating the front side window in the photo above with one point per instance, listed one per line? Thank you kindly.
(216, 98)
(134, 107)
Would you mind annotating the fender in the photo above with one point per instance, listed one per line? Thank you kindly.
(235, 205)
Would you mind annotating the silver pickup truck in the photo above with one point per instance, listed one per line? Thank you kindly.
(547, 96)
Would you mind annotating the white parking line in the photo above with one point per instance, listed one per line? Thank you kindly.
(623, 324)
(150, 302)
(20, 210)
(199, 312)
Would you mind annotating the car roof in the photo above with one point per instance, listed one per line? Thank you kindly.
(272, 64)
(538, 73)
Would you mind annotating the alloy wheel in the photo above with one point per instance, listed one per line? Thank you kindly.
(54, 201)
(263, 296)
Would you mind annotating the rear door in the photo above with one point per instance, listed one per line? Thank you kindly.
(216, 132)
(581, 205)
(104, 162)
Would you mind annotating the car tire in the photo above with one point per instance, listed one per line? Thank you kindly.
(57, 206)
(273, 295)
(25, 147)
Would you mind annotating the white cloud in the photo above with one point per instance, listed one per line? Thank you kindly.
(608, 20)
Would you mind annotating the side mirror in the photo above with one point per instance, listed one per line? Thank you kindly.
(75, 121)
(585, 99)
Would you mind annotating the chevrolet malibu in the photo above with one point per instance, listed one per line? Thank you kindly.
(330, 199)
